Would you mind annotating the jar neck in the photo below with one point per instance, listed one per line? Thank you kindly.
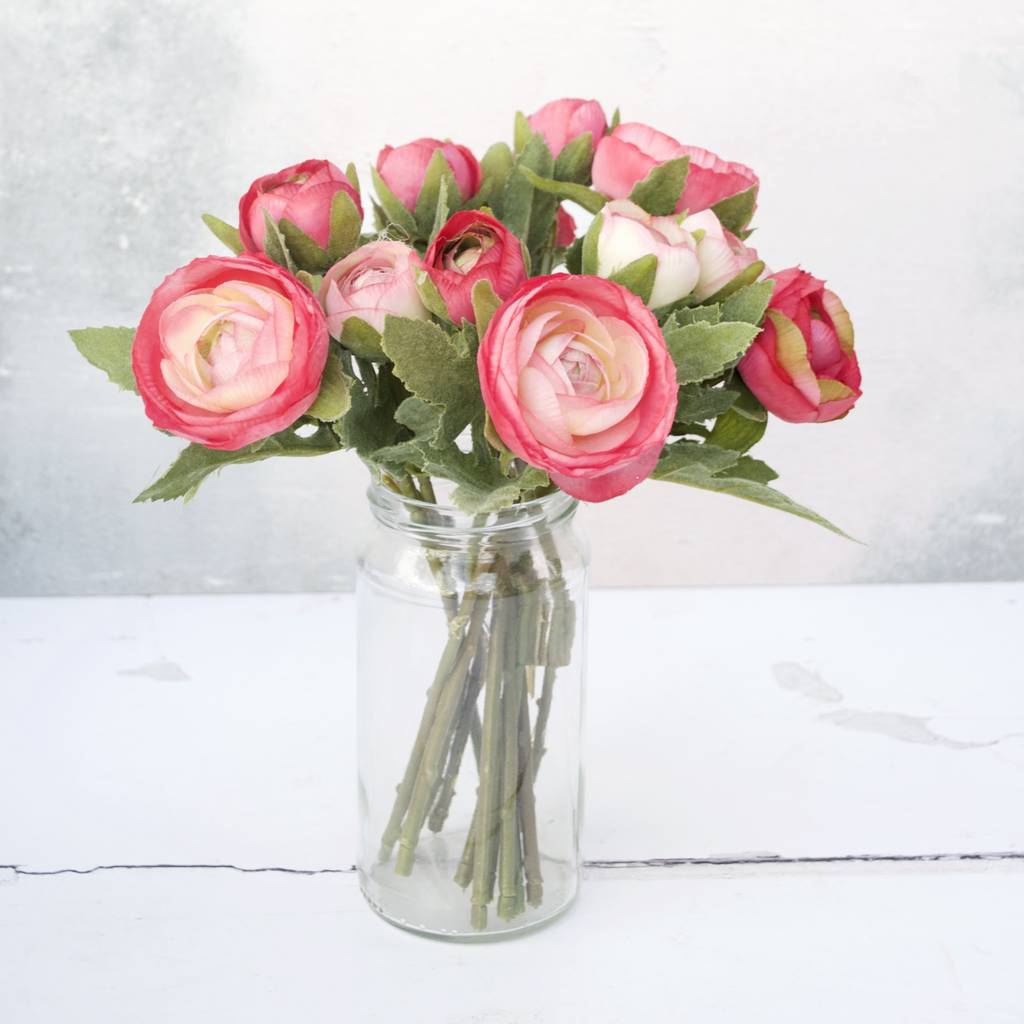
(450, 526)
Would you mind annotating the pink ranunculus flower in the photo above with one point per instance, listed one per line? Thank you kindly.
(578, 381)
(721, 254)
(802, 366)
(473, 246)
(302, 194)
(632, 150)
(627, 233)
(565, 229)
(561, 121)
(229, 351)
(376, 279)
(403, 168)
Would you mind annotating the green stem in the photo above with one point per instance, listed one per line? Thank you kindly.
(510, 870)
(528, 813)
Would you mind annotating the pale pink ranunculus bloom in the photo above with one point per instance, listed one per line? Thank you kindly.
(403, 168)
(376, 279)
(632, 150)
(720, 253)
(561, 121)
(229, 351)
(578, 381)
(302, 194)
(627, 232)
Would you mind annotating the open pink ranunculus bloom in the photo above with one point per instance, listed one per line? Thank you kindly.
(632, 150)
(578, 382)
(561, 121)
(302, 194)
(473, 246)
(376, 279)
(229, 351)
(802, 366)
(403, 168)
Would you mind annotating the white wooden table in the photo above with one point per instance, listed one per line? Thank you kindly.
(803, 804)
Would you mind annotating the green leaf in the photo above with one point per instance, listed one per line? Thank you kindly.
(736, 211)
(224, 232)
(438, 186)
(108, 349)
(334, 398)
(692, 315)
(574, 256)
(746, 276)
(638, 276)
(346, 223)
(438, 367)
(361, 339)
(275, 246)
(522, 132)
(659, 192)
(196, 463)
(736, 432)
(495, 167)
(748, 303)
(370, 424)
(588, 252)
(746, 404)
(311, 281)
(305, 253)
(391, 207)
(573, 163)
(353, 177)
(441, 211)
(702, 350)
(698, 403)
(714, 469)
(614, 122)
(431, 297)
(485, 304)
(581, 195)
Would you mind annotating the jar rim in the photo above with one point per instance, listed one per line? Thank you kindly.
(397, 510)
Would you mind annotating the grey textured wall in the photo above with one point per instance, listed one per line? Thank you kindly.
(888, 137)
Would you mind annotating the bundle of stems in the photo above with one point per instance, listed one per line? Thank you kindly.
(513, 617)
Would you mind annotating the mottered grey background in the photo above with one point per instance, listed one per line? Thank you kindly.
(888, 138)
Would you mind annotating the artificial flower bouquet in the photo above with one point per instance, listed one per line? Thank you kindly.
(474, 336)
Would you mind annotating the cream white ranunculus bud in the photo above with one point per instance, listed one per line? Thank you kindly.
(627, 232)
(721, 254)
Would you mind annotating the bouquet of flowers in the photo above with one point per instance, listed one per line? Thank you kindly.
(475, 336)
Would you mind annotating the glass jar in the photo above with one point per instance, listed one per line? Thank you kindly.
(471, 648)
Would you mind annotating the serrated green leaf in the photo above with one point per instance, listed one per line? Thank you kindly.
(573, 163)
(438, 188)
(526, 213)
(638, 276)
(581, 195)
(746, 404)
(698, 403)
(275, 246)
(736, 432)
(196, 463)
(361, 339)
(438, 367)
(485, 304)
(714, 469)
(391, 208)
(334, 398)
(748, 303)
(692, 315)
(370, 424)
(703, 350)
(305, 253)
(736, 211)
(522, 132)
(346, 224)
(588, 250)
(108, 349)
(746, 276)
(431, 297)
(659, 192)
(224, 232)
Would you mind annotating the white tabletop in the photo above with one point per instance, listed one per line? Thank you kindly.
(803, 804)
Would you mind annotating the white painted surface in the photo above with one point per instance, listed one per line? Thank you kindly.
(881, 944)
(887, 136)
(721, 722)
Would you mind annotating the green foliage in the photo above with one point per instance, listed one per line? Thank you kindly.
(588, 251)
(748, 303)
(304, 252)
(710, 468)
(581, 195)
(573, 163)
(361, 339)
(522, 132)
(495, 168)
(438, 193)
(108, 349)
(392, 212)
(485, 304)
(736, 212)
(702, 350)
(370, 423)
(737, 432)
(275, 246)
(698, 403)
(334, 398)
(638, 276)
(431, 297)
(659, 192)
(196, 463)
(746, 276)
(224, 232)
(345, 224)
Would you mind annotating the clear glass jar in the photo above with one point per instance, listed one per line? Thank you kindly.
(471, 647)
